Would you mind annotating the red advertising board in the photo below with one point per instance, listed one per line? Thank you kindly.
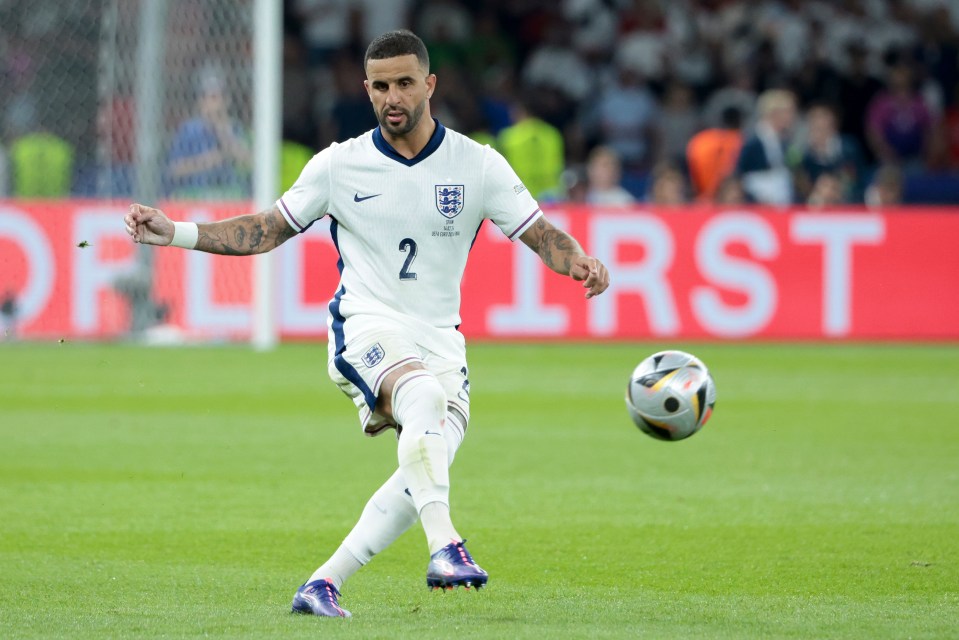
(701, 273)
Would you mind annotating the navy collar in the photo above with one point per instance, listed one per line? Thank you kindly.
(387, 149)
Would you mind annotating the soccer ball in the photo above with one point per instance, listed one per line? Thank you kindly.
(670, 395)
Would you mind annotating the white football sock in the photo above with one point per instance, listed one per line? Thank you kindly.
(341, 565)
(419, 407)
(387, 516)
(455, 432)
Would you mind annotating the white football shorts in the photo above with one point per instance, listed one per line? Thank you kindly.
(372, 346)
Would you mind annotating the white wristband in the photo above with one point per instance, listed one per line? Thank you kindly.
(185, 235)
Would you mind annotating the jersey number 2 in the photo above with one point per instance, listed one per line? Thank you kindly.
(408, 245)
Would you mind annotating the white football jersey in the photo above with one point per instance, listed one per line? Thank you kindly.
(404, 228)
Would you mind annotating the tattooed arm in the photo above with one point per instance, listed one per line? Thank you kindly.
(560, 252)
(245, 235)
(240, 236)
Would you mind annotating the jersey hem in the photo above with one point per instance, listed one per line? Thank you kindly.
(293, 222)
(525, 224)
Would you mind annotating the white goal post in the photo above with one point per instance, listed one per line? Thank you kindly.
(267, 88)
(171, 103)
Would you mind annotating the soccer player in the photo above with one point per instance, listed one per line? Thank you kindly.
(406, 201)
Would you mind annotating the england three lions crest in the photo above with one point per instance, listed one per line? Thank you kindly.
(449, 199)
(374, 355)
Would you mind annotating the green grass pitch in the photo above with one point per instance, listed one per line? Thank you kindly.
(167, 493)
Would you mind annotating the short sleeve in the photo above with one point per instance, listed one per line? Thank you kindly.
(308, 199)
(506, 200)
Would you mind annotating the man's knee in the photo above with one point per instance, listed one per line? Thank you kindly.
(384, 400)
(419, 397)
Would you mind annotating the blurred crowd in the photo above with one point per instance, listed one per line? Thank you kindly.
(616, 101)
(608, 102)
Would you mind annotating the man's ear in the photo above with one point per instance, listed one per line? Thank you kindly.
(430, 85)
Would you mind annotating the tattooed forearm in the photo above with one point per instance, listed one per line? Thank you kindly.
(245, 235)
(239, 236)
(561, 253)
(557, 250)
(555, 247)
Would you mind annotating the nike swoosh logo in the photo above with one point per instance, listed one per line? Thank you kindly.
(431, 433)
(358, 198)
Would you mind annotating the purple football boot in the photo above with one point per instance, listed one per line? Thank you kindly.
(319, 598)
(453, 566)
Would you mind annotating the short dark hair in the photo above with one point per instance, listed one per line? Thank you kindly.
(401, 42)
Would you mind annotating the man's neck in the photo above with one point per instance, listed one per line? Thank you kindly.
(410, 144)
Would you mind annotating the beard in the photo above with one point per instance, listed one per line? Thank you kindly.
(412, 119)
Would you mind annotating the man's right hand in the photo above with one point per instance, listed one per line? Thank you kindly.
(147, 225)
